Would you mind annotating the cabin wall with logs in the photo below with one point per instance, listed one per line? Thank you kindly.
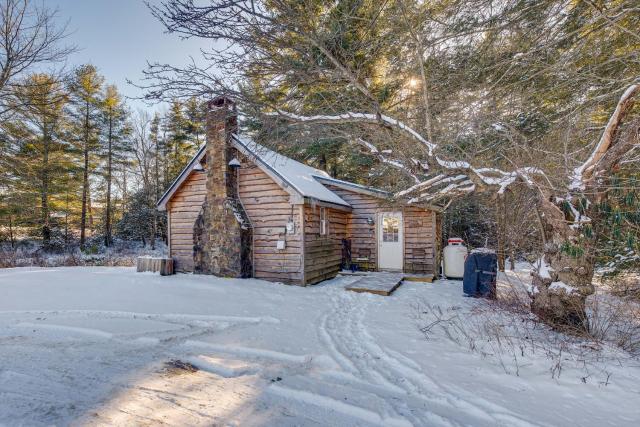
(323, 252)
(420, 251)
(269, 210)
(183, 210)
(419, 231)
(308, 256)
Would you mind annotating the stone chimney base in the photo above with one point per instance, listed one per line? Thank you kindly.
(222, 237)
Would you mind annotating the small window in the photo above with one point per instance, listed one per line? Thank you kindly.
(390, 229)
(324, 223)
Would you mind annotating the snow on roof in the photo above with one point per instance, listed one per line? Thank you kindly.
(300, 176)
(305, 180)
(353, 186)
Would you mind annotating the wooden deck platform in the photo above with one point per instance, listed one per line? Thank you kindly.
(419, 278)
(377, 283)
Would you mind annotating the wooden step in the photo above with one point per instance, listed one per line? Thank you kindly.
(377, 283)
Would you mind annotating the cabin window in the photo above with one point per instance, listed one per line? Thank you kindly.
(390, 229)
(323, 222)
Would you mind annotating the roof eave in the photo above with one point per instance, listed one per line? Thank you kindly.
(338, 206)
(356, 188)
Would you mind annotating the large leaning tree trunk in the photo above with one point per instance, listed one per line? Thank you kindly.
(564, 276)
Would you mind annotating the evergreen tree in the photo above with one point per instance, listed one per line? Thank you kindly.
(115, 145)
(40, 154)
(159, 159)
(154, 134)
(179, 147)
(195, 117)
(86, 96)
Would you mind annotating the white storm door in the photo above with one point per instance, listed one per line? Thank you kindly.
(390, 246)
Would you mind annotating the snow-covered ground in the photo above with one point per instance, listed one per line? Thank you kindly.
(91, 346)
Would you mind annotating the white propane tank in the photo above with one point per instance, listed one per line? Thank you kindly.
(454, 255)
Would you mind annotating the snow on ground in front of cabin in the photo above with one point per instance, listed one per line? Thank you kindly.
(90, 346)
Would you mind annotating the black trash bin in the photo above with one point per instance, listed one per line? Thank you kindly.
(480, 269)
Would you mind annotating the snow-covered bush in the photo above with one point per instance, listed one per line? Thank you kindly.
(121, 253)
(506, 333)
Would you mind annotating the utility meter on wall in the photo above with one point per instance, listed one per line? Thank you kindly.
(291, 227)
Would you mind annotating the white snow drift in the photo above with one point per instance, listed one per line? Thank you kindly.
(90, 346)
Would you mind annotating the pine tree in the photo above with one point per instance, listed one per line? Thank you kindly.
(115, 145)
(195, 116)
(179, 148)
(85, 89)
(157, 161)
(40, 154)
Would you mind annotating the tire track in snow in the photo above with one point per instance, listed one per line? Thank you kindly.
(420, 380)
(338, 406)
(342, 337)
(441, 404)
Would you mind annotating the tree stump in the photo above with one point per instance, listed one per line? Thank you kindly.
(162, 265)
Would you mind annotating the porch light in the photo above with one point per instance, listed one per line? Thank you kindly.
(234, 163)
(370, 221)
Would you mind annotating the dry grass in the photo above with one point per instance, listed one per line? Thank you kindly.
(122, 254)
(506, 332)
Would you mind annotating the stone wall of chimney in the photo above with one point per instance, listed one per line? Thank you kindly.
(222, 235)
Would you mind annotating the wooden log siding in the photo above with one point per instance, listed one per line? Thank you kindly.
(362, 235)
(268, 208)
(184, 208)
(419, 240)
(323, 253)
(419, 231)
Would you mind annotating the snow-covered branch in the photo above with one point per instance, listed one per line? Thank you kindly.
(488, 176)
(453, 189)
(353, 117)
(381, 155)
(579, 219)
(582, 173)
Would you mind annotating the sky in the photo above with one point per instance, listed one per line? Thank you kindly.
(119, 37)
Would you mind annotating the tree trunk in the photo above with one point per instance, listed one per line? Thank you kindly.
(512, 257)
(85, 179)
(124, 190)
(563, 282)
(11, 238)
(425, 91)
(323, 162)
(44, 194)
(66, 220)
(107, 231)
(90, 211)
(500, 231)
(152, 231)
(156, 189)
(165, 155)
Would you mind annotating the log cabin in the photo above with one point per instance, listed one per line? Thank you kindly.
(239, 209)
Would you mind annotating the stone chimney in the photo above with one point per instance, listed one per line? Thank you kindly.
(222, 235)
